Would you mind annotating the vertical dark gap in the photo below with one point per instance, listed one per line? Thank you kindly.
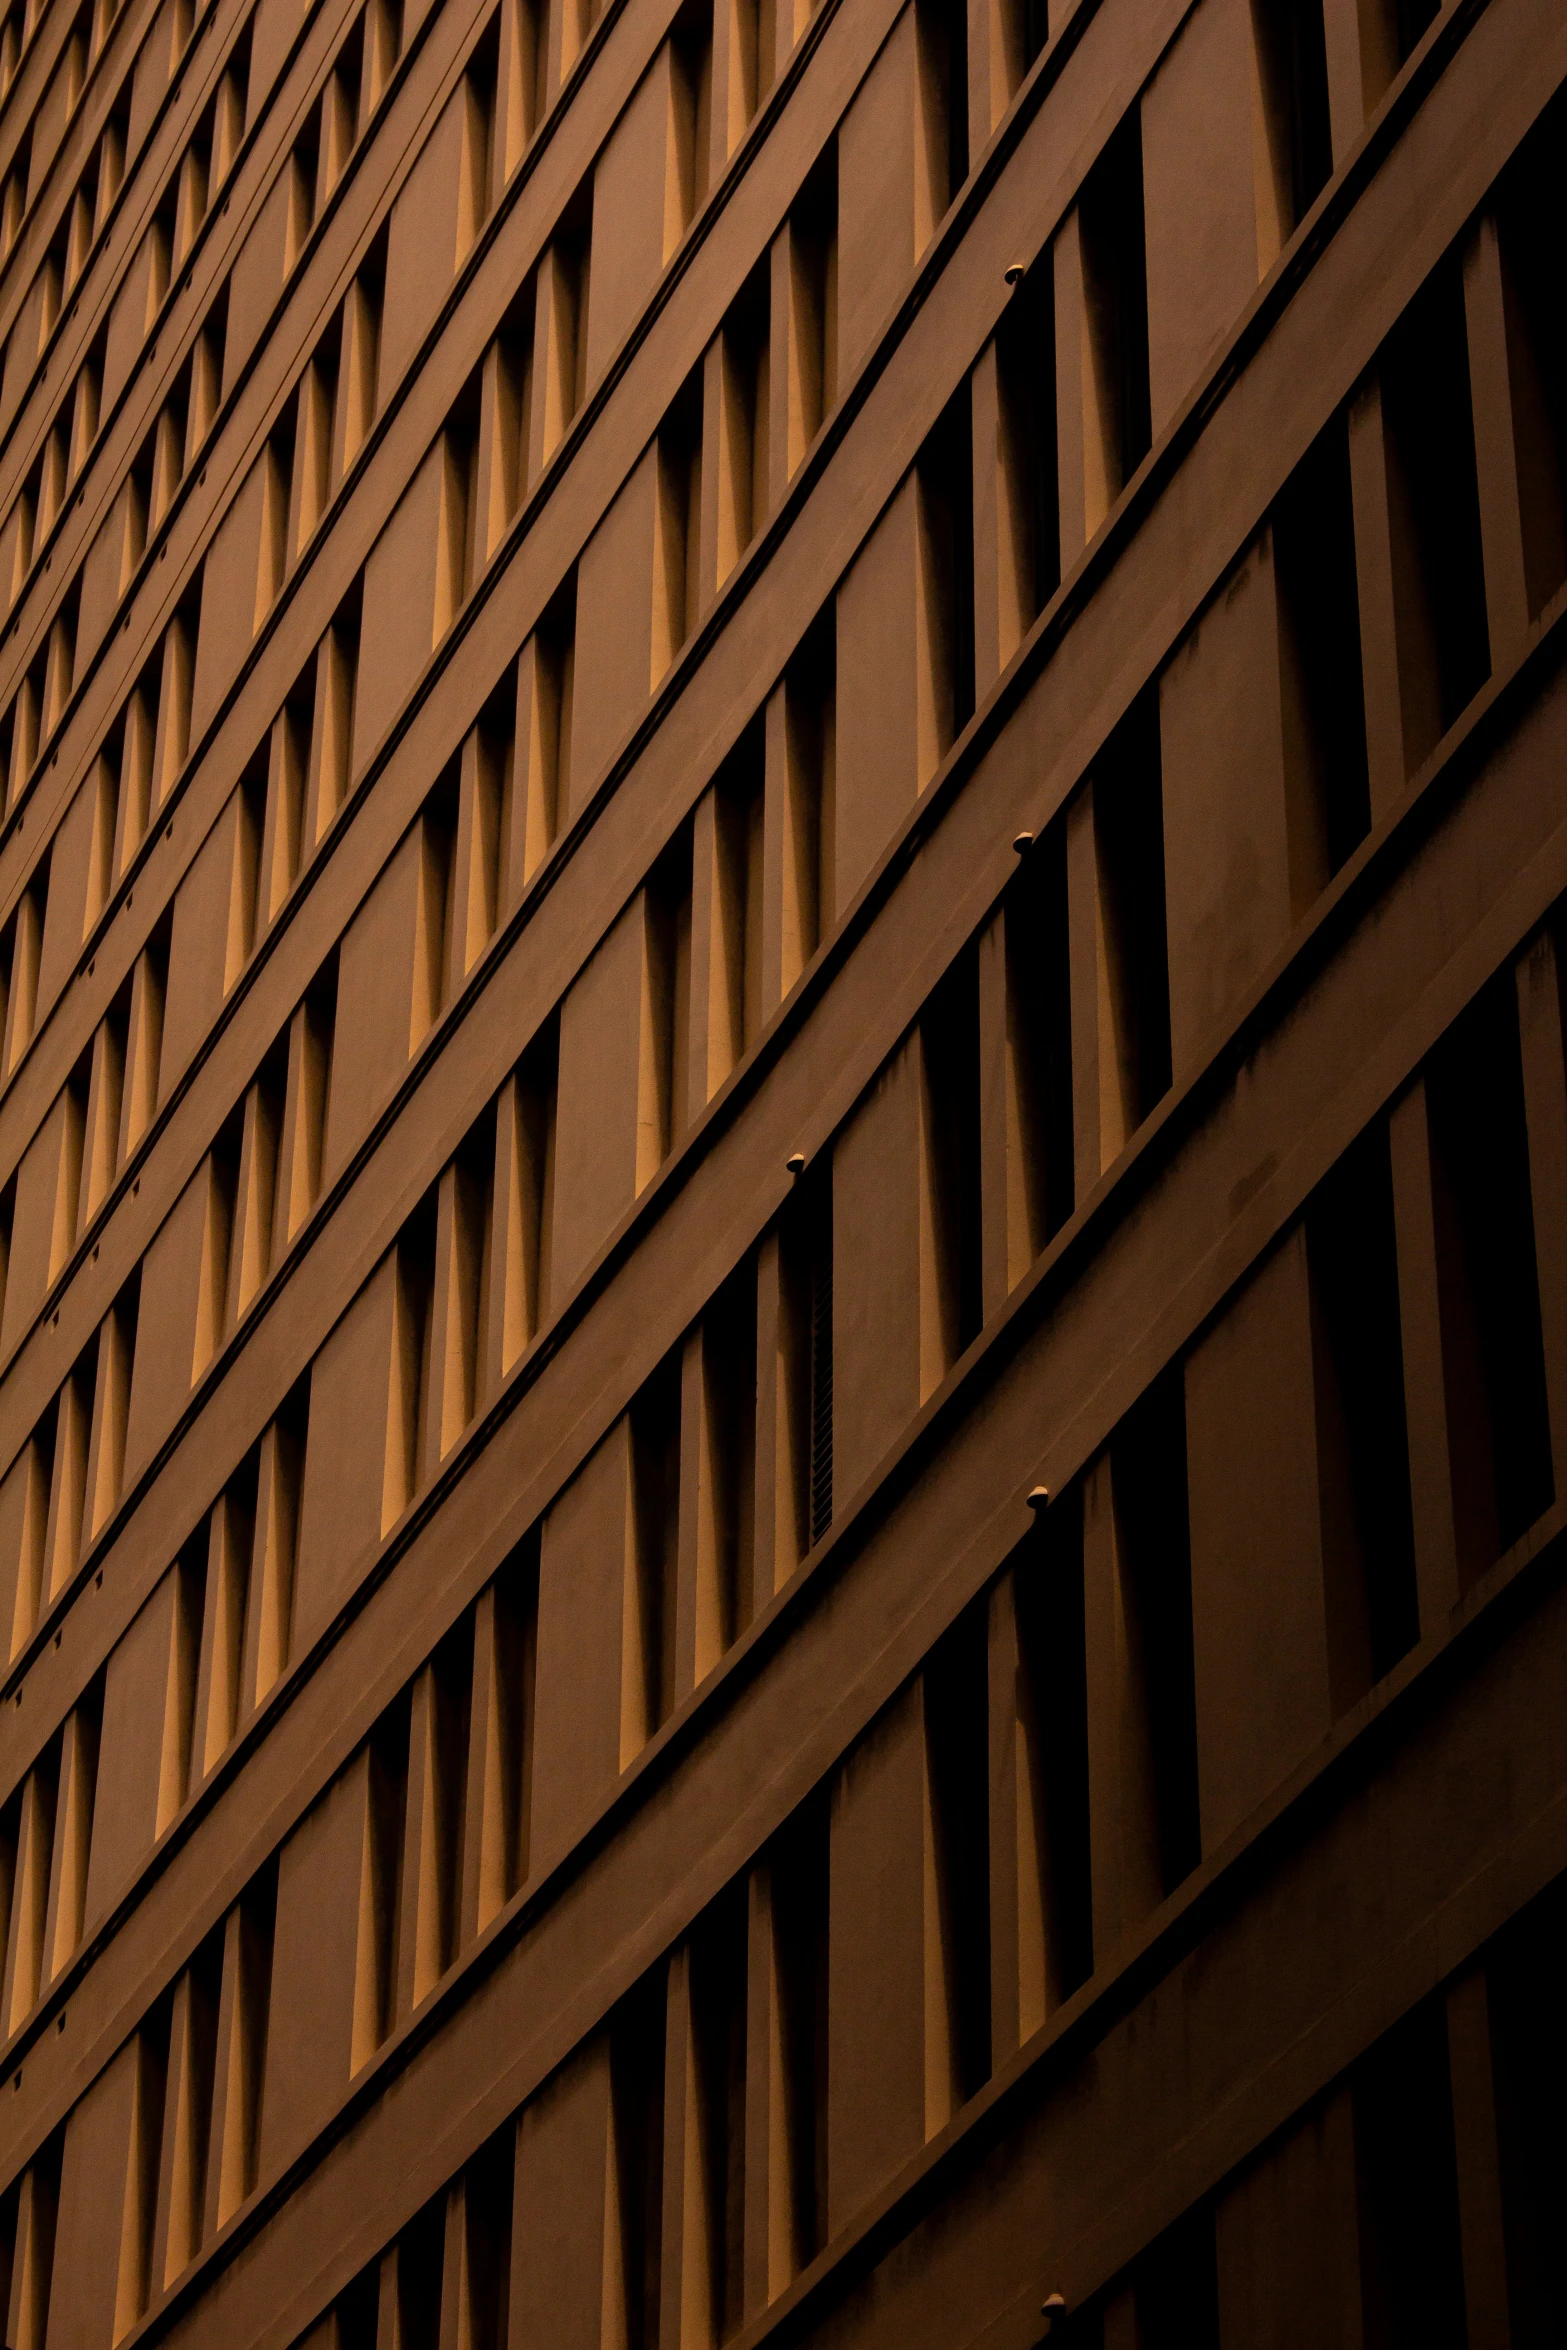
(1148, 1474)
(1323, 693)
(1528, 2017)
(798, 1873)
(9, 2201)
(358, 2311)
(1053, 1700)
(718, 2017)
(152, 2082)
(1532, 224)
(636, 2057)
(813, 237)
(451, 1696)
(1444, 651)
(1368, 1551)
(668, 980)
(421, 2258)
(388, 1810)
(438, 852)
(257, 1921)
(481, 77)
(1492, 1353)
(206, 1989)
(680, 494)
(1175, 2286)
(655, 1444)
(1026, 385)
(746, 362)
(573, 251)
(729, 1375)
(1115, 274)
(819, 1283)
(1129, 834)
(487, 2210)
(942, 32)
(1406, 2188)
(946, 482)
(1039, 1032)
(691, 77)
(46, 2168)
(1410, 19)
(1292, 57)
(811, 689)
(464, 522)
(415, 1287)
(740, 806)
(957, 1735)
(949, 1042)
(190, 1607)
(516, 1641)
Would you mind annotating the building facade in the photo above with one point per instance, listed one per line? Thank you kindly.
(783, 1168)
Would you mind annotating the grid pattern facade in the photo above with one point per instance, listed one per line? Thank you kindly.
(783, 1174)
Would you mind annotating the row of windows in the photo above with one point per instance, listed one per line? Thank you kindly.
(485, 828)
(468, 1285)
(433, 1822)
(358, 78)
(81, 47)
(338, 398)
(204, 166)
(1502, 1475)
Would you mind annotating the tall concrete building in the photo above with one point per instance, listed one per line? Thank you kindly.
(783, 1162)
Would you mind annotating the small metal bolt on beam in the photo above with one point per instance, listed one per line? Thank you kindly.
(1022, 843)
(1015, 272)
(1039, 1497)
(795, 1162)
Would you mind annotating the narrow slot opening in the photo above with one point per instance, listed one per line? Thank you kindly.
(950, 1057)
(1493, 1358)
(665, 1086)
(734, 1012)
(805, 1243)
(1153, 1546)
(718, 2020)
(677, 580)
(1528, 2034)
(1296, 161)
(729, 1384)
(946, 490)
(810, 717)
(813, 337)
(421, 2264)
(1115, 285)
(941, 35)
(636, 2064)
(410, 1401)
(1444, 651)
(1039, 1048)
(649, 1671)
(742, 508)
(1368, 1556)
(1129, 840)
(1052, 1699)
(1532, 221)
(957, 1746)
(382, 1893)
(1406, 2179)
(487, 2212)
(1322, 692)
(1026, 392)
(798, 1884)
